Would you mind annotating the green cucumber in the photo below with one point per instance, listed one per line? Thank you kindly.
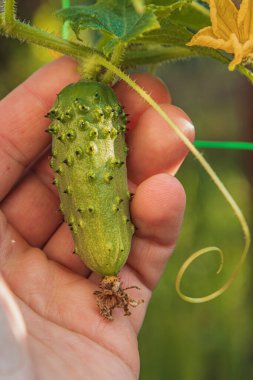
(89, 161)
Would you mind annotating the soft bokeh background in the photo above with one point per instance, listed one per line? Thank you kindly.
(178, 340)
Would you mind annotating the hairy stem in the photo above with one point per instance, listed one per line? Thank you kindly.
(10, 15)
(89, 68)
(116, 58)
(246, 72)
(23, 32)
(156, 54)
(1, 21)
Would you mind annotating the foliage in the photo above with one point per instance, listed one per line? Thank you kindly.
(117, 20)
(172, 23)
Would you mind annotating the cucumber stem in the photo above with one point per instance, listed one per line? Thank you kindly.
(12, 27)
(10, 12)
(116, 58)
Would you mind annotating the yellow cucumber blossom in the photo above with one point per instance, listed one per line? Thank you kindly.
(231, 30)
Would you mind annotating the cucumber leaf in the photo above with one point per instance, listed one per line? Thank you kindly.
(179, 20)
(193, 16)
(169, 34)
(118, 19)
(163, 11)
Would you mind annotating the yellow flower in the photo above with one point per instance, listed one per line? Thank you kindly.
(231, 30)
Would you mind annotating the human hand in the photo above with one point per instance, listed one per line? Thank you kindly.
(65, 337)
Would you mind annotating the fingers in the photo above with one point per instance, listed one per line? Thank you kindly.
(65, 298)
(154, 147)
(134, 105)
(32, 208)
(60, 248)
(157, 211)
(22, 121)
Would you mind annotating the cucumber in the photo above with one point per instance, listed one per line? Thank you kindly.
(89, 161)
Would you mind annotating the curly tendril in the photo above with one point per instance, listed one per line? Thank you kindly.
(209, 170)
(186, 265)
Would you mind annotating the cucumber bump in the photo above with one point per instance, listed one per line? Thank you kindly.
(89, 161)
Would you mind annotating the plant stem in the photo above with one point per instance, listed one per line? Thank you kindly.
(1, 20)
(155, 54)
(10, 12)
(117, 56)
(89, 69)
(25, 32)
(211, 173)
(246, 72)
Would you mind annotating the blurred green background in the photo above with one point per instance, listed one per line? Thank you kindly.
(182, 341)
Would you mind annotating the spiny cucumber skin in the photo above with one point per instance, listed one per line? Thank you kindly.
(89, 161)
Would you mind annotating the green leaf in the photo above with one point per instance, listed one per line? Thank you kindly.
(153, 54)
(179, 20)
(163, 11)
(169, 34)
(193, 16)
(119, 19)
(188, 13)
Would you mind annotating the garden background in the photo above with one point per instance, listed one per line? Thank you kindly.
(181, 341)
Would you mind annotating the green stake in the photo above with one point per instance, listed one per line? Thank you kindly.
(65, 28)
(239, 145)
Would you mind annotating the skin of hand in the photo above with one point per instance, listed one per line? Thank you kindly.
(50, 326)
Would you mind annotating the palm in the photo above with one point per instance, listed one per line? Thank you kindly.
(53, 287)
(67, 353)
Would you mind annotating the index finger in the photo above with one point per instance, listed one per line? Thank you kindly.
(22, 121)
